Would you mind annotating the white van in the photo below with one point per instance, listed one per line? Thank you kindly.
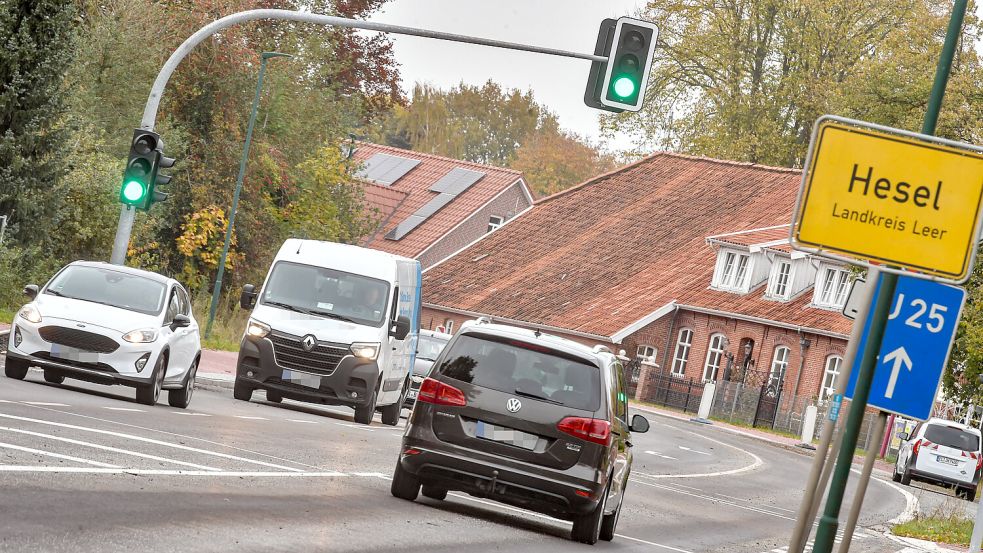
(332, 324)
(942, 452)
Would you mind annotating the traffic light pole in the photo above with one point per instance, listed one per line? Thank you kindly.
(830, 519)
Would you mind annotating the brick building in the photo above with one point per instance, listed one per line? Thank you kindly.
(431, 206)
(678, 260)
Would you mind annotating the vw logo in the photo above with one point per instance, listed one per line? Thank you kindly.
(513, 405)
(309, 342)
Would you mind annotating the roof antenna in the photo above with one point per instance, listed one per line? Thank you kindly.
(537, 333)
(300, 244)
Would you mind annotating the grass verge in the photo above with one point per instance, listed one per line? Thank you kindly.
(948, 523)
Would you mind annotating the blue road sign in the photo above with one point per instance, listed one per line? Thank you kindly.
(917, 341)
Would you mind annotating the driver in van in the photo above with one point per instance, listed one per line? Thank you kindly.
(368, 301)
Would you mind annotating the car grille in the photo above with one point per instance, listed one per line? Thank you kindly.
(323, 359)
(78, 339)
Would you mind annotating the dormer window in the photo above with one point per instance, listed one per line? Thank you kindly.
(780, 280)
(832, 287)
(733, 270)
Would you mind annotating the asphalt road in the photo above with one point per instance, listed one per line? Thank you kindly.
(85, 468)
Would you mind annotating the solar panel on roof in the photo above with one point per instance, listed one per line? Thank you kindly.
(405, 227)
(456, 181)
(387, 169)
(434, 205)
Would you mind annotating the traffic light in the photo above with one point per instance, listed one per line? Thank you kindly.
(163, 162)
(141, 176)
(592, 95)
(629, 51)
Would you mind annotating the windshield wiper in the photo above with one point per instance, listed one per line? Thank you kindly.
(290, 307)
(333, 316)
(59, 294)
(519, 392)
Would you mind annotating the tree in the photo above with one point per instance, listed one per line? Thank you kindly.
(39, 45)
(552, 161)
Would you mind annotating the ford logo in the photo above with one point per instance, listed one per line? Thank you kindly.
(309, 342)
(513, 405)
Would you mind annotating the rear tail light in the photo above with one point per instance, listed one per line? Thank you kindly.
(915, 448)
(976, 457)
(592, 430)
(438, 393)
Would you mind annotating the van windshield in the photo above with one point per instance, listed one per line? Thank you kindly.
(327, 293)
(531, 370)
(952, 437)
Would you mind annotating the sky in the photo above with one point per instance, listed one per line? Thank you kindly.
(556, 82)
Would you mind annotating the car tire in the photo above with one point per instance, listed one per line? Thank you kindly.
(241, 391)
(587, 528)
(390, 413)
(53, 377)
(273, 397)
(969, 494)
(404, 485)
(894, 475)
(148, 394)
(906, 477)
(610, 523)
(182, 398)
(434, 492)
(364, 413)
(15, 368)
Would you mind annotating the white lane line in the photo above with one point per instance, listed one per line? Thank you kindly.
(128, 409)
(715, 500)
(751, 501)
(162, 472)
(106, 448)
(302, 421)
(657, 454)
(753, 466)
(151, 441)
(684, 448)
(251, 418)
(358, 426)
(44, 404)
(371, 474)
(185, 413)
(57, 456)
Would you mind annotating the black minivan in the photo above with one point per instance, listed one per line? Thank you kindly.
(527, 419)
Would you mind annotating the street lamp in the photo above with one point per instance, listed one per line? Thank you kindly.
(217, 290)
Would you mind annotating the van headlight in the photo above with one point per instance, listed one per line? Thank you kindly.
(366, 350)
(30, 313)
(141, 336)
(256, 329)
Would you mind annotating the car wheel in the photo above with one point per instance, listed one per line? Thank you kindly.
(610, 522)
(433, 492)
(273, 397)
(53, 377)
(182, 398)
(241, 391)
(390, 413)
(587, 528)
(149, 393)
(15, 368)
(405, 485)
(906, 477)
(364, 413)
(894, 475)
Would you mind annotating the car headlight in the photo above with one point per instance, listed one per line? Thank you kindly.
(141, 336)
(257, 329)
(30, 314)
(366, 350)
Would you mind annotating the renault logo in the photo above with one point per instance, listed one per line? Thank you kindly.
(513, 405)
(309, 342)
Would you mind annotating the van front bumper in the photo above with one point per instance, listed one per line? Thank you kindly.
(351, 383)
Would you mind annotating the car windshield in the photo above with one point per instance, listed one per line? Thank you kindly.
(429, 347)
(327, 293)
(109, 287)
(531, 370)
(952, 437)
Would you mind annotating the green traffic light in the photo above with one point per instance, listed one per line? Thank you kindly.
(133, 191)
(624, 87)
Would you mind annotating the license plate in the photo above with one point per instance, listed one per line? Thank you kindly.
(73, 354)
(302, 379)
(411, 394)
(947, 461)
(506, 435)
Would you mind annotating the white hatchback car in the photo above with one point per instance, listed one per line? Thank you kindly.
(111, 325)
(941, 452)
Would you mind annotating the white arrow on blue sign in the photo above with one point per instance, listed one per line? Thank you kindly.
(917, 341)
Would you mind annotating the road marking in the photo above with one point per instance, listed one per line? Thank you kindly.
(358, 426)
(657, 454)
(151, 441)
(715, 500)
(753, 466)
(750, 501)
(162, 472)
(684, 448)
(911, 501)
(191, 414)
(125, 409)
(302, 421)
(251, 418)
(106, 448)
(45, 404)
(371, 474)
(57, 456)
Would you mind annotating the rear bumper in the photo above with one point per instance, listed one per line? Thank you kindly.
(350, 384)
(925, 476)
(98, 373)
(541, 490)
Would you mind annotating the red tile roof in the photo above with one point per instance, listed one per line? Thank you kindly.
(383, 200)
(601, 256)
(415, 186)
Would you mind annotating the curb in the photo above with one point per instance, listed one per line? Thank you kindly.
(206, 382)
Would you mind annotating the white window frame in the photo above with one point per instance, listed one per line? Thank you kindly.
(715, 357)
(681, 356)
(779, 283)
(779, 364)
(646, 353)
(495, 222)
(733, 271)
(449, 326)
(831, 370)
(832, 287)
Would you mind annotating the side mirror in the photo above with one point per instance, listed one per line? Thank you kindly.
(639, 424)
(401, 328)
(248, 297)
(903, 436)
(31, 291)
(180, 321)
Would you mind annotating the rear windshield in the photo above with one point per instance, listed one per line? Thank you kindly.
(528, 370)
(952, 437)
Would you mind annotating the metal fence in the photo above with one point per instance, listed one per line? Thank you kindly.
(675, 392)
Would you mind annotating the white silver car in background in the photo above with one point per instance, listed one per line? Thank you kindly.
(942, 452)
(110, 325)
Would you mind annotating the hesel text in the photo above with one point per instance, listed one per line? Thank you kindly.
(900, 192)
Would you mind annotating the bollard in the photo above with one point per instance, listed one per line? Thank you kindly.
(809, 426)
(706, 402)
